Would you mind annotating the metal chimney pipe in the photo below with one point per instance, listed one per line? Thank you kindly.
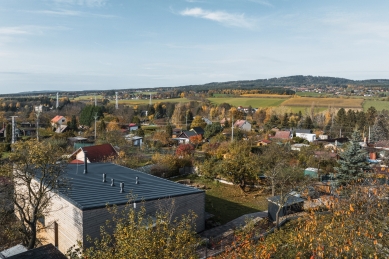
(104, 176)
(112, 182)
(121, 187)
(85, 163)
(137, 180)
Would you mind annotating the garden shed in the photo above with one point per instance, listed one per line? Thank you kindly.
(293, 204)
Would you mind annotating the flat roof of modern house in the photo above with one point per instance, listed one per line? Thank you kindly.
(88, 191)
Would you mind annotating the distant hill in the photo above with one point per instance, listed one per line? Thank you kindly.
(291, 81)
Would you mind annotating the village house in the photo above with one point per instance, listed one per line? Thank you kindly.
(283, 135)
(198, 130)
(94, 154)
(59, 123)
(183, 138)
(80, 210)
(135, 140)
(243, 125)
(305, 134)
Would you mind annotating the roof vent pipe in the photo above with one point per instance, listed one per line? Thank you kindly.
(137, 180)
(104, 175)
(85, 163)
(121, 187)
(112, 182)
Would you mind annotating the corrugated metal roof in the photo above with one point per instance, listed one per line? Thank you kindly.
(88, 191)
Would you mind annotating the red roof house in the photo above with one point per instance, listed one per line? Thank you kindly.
(94, 154)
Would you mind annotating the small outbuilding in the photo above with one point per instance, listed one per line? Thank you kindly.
(292, 205)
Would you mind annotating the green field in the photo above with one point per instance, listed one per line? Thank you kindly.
(379, 105)
(88, 97)
(296, 109)
(247, 101)
(147, 101)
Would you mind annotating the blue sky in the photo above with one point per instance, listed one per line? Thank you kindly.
(112, 44)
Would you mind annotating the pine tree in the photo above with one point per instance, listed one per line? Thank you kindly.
(352, 161)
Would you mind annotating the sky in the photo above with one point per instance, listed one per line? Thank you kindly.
(71, 45)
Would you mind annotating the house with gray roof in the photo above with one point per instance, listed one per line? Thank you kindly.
(80, 210)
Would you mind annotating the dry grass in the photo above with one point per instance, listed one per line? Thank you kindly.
(324, 102)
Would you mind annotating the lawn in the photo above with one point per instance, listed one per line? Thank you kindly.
(247, 101)
(228, 202)
(324, 102)
(379, 105)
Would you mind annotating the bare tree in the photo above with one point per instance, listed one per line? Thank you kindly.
(37, 176)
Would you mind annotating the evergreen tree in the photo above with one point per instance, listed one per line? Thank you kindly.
(212, 130)
(8, 133)
(285, 121)
(371, 114)
(352, 161)
(350, 119)
(307, 123)
(73, 124)
(87, 114)
(360, 120)
(380, 130)
(169, 129)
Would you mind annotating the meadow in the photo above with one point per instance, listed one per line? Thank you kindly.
(147, 101)
(378, 104)
(324, 102)
(267, 96)
(247, 101)
(88, 97)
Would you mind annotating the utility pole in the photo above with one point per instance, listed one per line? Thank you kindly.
(95, 100)
(57, 104)
(150, 99)
(232, 128)
(13, 129)
(186, 120)
(369, 135)
(117, 105)
(95, 123)
(38, 110)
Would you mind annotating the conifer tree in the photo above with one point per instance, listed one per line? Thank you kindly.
(380, 130)
(352, 161)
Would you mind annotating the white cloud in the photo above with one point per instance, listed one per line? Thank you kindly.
(262, 2)
(13, 30)
(89, 3)
(64, 12)
(228, 19)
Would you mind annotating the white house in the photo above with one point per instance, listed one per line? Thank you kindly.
(306, 134)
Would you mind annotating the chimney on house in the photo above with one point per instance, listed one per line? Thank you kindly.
(104, 176)
(137, 180)
(112, 182)
(121, 187)
(85, 163)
